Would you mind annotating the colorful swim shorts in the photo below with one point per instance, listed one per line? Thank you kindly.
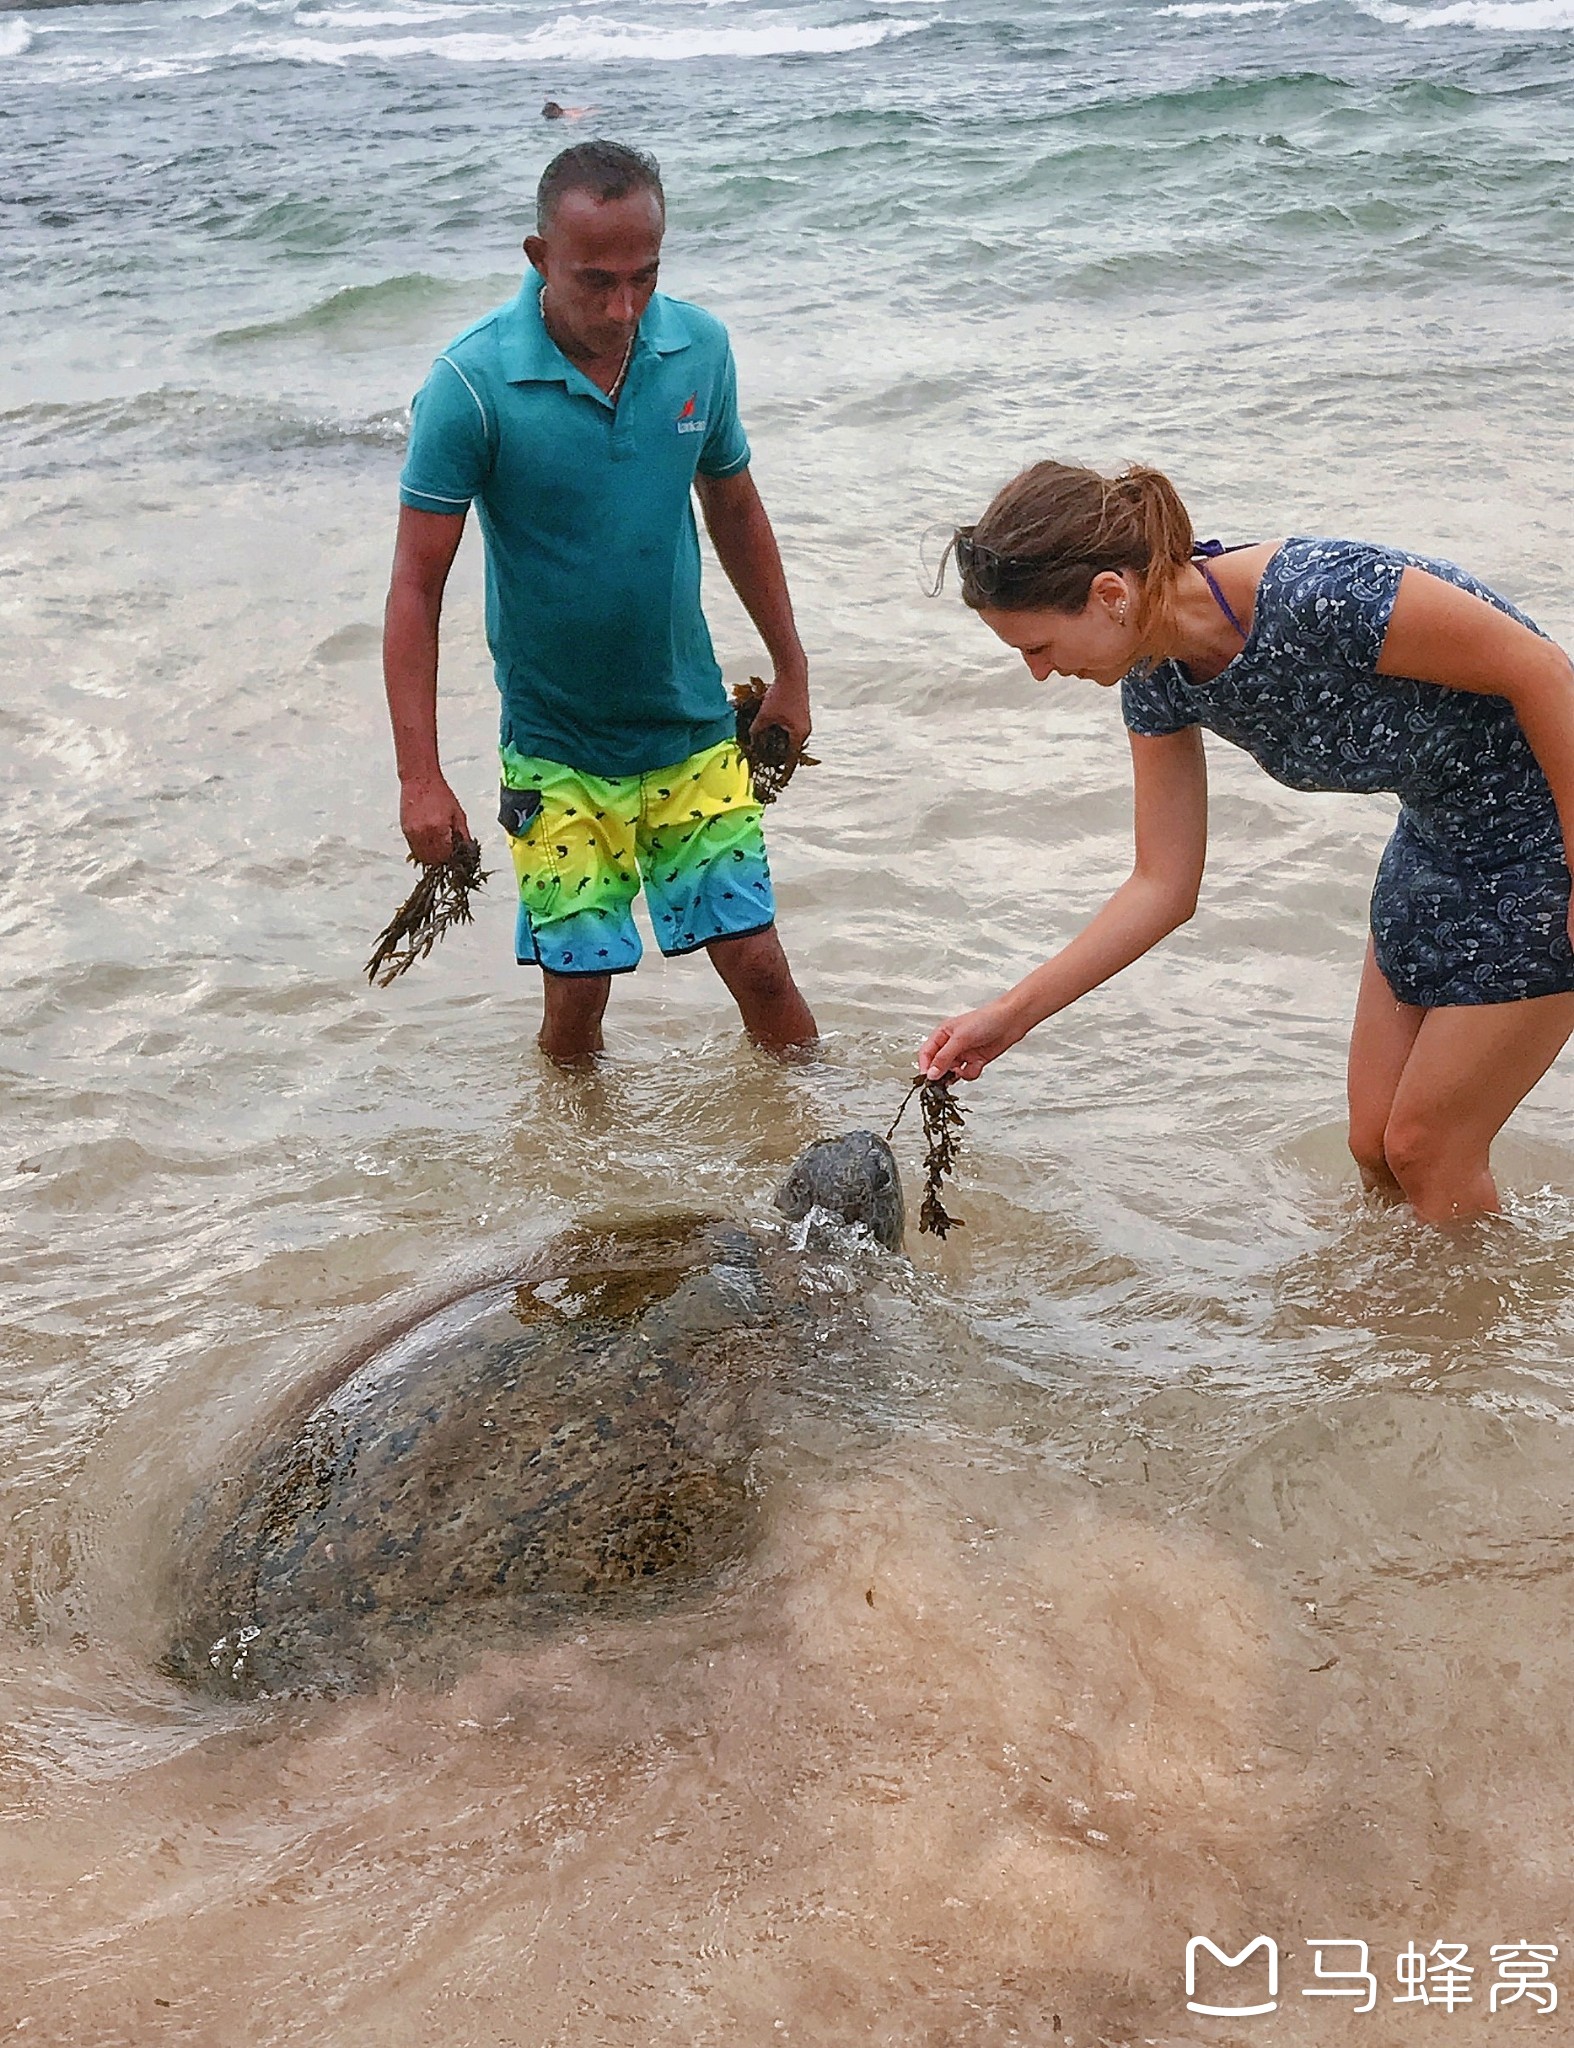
(582, 843)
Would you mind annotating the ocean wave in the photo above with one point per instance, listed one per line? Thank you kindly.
(1217, 106)
(393, 17)
(591, 40)
(16, 38)
(368, 312)
(1513, 17)
(177, 421)
(1196, 9)
(261, 9)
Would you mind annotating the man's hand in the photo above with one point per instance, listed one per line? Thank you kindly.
(432, 820)
(786, 703)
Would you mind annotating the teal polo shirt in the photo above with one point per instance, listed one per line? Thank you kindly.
(600, 649)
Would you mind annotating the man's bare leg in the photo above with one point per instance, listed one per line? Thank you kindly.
(756, 972)
(572, 1006)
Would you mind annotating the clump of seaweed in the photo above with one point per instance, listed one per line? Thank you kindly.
(440, 899)
(770, 753)
(943, 1118)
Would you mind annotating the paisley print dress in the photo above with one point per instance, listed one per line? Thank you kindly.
(1472, 893)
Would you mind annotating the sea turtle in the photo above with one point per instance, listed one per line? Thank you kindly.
(568, 1441)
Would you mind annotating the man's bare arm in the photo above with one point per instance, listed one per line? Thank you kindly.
(740, 531)
(430, 815)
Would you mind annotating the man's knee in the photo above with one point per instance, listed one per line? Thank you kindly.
(570, 1000)
(754, 964)
(571, 1012)
(575, 989)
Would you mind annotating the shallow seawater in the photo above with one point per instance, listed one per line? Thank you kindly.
(1181, 1548)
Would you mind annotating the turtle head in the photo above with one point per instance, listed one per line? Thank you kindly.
(854, 1177)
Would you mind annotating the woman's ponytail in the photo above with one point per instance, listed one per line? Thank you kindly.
(1161, 518)
(1162, 529)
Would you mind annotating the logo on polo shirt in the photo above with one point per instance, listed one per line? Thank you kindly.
(687, 421)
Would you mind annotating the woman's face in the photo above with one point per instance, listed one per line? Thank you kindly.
(1098, 643)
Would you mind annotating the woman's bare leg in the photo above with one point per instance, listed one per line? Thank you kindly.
(1468, 1071)
(1381, 1040)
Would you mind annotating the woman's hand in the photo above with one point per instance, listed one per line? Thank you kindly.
(963, 1046)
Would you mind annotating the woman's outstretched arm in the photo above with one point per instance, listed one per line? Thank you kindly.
(1170, 810)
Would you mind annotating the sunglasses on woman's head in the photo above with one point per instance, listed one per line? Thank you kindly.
(988, 570)
(985, 568)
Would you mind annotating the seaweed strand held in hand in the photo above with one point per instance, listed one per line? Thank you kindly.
(770, 753)
(441, 898)
(943, 1117)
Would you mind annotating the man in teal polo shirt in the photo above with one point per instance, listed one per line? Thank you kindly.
(578, 420)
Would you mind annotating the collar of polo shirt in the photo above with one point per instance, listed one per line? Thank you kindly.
(529, 355)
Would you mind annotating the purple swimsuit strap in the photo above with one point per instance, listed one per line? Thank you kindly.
(1204, 552)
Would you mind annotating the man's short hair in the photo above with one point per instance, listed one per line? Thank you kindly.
(607, 170)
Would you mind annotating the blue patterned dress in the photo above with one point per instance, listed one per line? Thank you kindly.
(1472, 893)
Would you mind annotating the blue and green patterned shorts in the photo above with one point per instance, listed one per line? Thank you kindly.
(583, 844)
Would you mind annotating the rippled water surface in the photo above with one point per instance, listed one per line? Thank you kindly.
(1182, 1547)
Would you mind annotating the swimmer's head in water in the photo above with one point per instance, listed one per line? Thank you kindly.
(552, 111)
(600, 215)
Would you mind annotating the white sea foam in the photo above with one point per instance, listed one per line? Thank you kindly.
(590, 40)
(259, 8)
(16, 38)
(1522, 17)
(393, 17)
(1197, 8)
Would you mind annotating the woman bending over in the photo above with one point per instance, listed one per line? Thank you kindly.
(1336, 665)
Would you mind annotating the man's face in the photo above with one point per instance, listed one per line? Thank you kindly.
(599, 258)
